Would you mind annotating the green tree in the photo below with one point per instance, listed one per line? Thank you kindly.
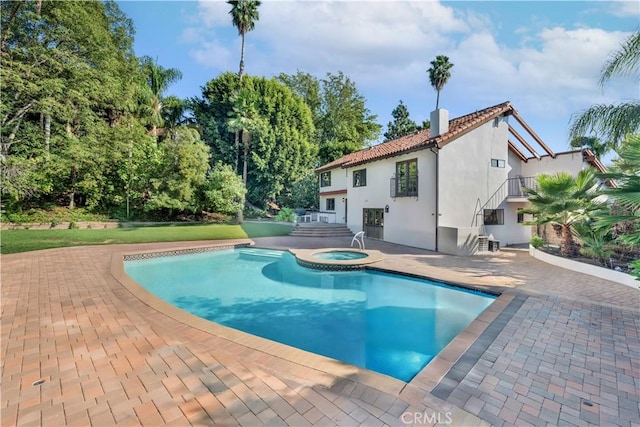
(245, 121)
(626, 194)
(174, 114)
(279, 154)
(244, 14)
(401, 125)
(223, 191)
(302, 193)
(308, 87)
(343, 122)
(563, 200)
(181, 172)
(439, 74)
(158, 80)
(592, 143)
(613, 122)
(211, 113)
(68, 77)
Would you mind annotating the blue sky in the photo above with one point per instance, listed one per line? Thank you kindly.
(543, 56)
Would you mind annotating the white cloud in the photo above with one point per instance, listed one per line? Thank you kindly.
(214, 55)
(386, 47)
(625, 8)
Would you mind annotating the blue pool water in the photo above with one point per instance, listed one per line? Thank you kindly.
(384, 322)
(340, 255)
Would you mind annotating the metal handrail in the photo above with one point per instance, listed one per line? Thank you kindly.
(516, 187)
(359, 242)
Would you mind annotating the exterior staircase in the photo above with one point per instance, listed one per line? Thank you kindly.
(321, 230)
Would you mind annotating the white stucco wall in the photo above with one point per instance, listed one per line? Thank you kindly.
(410, 220)
(467, 179)
(515, 165)
(338, 183)
(567, 162)
(511, 232)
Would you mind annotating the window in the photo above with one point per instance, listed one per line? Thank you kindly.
(360, 178)
(407, 178)
(325, 179)
(520, 218)
(493, 216)
(497, 163)
(331, 204)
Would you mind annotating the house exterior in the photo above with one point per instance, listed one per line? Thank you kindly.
(449, 188)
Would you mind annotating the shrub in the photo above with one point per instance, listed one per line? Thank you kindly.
(537, 242)
(214, 217)
(253, 212)
(286, 215)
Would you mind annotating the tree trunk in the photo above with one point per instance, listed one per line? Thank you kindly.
(72, 194)
(567, 245)
(437, 99)
(241, 72)
(236, 153)
(246, 138)
(47, 132)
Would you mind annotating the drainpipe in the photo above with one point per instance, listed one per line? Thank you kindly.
(437, 149)
(439, 125)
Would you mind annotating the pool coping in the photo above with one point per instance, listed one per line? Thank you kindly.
(305, 258)
(426, 380)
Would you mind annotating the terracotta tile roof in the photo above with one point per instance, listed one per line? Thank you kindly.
(421, 139)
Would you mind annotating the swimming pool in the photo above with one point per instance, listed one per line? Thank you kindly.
(387, 323)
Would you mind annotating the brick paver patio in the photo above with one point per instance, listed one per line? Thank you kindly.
(557, 348)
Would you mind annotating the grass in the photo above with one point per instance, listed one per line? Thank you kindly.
(14, 241)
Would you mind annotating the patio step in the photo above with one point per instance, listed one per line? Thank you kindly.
(333, 230)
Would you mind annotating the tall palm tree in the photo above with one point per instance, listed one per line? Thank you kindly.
(244, 14)
(563, 200)
(245, 120)
(158, 81)
(613, 122)
(439, 74)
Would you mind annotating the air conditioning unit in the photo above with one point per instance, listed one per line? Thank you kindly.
(483, 243)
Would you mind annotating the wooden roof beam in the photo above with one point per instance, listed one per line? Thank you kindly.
(517, 152)
(524, 143)
(533, 134)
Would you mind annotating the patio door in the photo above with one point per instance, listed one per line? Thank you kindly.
(373, 223)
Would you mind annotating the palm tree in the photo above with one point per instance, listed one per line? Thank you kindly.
(613, 122)
(439, 74)
(158, 81)
(244, 14)
(173, 114)
(623, 216)
(563, 200)
(626, 172)
(245, 121)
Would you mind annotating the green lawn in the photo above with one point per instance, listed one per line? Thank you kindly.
(14, 241)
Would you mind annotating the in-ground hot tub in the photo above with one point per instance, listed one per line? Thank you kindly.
(340, 255)
(336, 258)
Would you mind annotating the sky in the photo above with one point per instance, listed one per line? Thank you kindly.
(545, 57)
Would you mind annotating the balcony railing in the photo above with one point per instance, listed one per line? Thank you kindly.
(516, 187)
(406, 188)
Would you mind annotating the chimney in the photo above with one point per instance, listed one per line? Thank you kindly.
(439, 122)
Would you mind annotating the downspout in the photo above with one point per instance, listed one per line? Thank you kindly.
(437, 193)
